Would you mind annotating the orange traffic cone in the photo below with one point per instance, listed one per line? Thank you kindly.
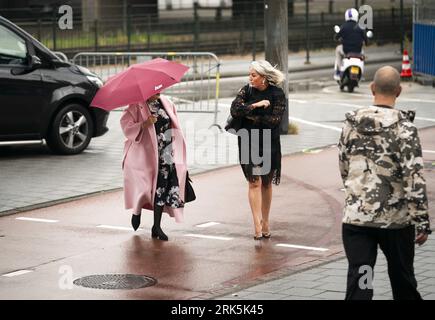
(406, 67)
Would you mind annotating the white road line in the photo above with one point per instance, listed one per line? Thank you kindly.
(359, 106)
(207, 224)
(315, 124)
(37, 220)
(207, 237)
(298, 101)
(326, 90)
(300, 247)
(425, 119)
(315, 151)
(428, 151)
(16, 273)
(416, 100)
(350, 105)
(104, 226)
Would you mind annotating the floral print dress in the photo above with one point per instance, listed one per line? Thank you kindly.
(168, 189)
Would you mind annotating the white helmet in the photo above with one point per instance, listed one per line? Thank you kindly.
(351, 14)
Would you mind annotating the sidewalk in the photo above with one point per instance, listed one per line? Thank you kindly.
(236, 66)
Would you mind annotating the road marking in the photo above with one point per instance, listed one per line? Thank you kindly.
(105, 226)
(428, 151)
(315, 124)
(300, 247)
(327, 90)
(359, 106)
(298, 101)
(207, 237)
(425, 119)
(314, 151)
(37, 220)
(350, 105)
(16, 273)
(207, 224)
(416, 100)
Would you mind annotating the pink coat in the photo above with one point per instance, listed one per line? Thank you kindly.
(140, 161)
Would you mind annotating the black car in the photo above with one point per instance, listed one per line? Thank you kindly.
(44, 97)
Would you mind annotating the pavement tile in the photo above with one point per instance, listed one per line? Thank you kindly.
(430, 296)
(302, 292)
(335, 279)
(336, 265)
(430, 273)
(265, 287)
(335, 272)
(382, 297)
(264, 296)
(336, 287)
(426, 281)
(305, 277)
(302, 284)
(330, 295)
(381, 290)
(298, 298)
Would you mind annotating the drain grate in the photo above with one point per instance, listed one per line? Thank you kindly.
(115, 281)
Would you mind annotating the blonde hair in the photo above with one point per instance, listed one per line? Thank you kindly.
(274, 76)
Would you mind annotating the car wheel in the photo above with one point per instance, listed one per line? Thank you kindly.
(71, 130)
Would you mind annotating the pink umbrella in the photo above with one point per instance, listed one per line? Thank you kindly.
(138, 82)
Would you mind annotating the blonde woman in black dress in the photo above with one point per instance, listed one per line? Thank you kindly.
(261, 105)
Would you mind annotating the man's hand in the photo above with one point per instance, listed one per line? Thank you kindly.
(150, 121)
(421, 238)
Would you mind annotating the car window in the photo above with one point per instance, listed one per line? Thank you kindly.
(12, 48)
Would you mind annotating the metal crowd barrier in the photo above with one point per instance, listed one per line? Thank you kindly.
(198, 90)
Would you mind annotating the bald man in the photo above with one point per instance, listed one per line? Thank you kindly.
(381, 165)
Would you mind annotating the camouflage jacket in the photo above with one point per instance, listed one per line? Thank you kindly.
(381, 166)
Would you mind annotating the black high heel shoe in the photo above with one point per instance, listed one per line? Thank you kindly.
(259, 237)
(135, 221)
(159, 234)
(267, 235)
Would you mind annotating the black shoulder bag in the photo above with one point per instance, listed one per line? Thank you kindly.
(189, 193)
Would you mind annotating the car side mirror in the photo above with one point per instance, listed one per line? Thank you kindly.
(336, 29)
(34, 63)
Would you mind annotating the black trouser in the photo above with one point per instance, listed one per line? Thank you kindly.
(361, 247)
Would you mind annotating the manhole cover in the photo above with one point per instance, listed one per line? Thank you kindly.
(115, 281)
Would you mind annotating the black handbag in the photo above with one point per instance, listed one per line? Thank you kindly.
(189, 193)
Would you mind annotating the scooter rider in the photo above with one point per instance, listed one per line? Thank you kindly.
(352, 38)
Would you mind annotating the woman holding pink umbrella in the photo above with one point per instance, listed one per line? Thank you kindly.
(154, 162)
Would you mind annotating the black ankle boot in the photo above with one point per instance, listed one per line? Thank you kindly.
(159, 234)
(135, 221)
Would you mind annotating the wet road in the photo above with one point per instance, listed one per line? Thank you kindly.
(197, 262)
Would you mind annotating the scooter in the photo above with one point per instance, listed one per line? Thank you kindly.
(352, 67)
